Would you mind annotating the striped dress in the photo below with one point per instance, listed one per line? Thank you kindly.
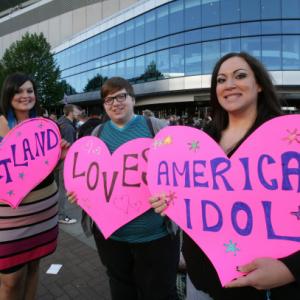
(30, 231)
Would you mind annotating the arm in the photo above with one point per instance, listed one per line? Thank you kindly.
(293, 264)
(4, 129)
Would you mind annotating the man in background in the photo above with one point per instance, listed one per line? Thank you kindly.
(67, 126)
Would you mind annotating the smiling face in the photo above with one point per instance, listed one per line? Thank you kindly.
(120, 112)
(24, 99)
(236, 89)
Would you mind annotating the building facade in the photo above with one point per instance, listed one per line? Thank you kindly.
(167, 49)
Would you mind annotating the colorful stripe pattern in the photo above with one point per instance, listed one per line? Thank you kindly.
(30, 231)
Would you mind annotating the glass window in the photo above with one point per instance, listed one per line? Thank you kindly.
(176, 39)
(98, 63)
(210, 55)
(250, 10)
(230, 11)
(139, 67)
(150, 47)
(71, 57)
(251, 28)
(120, 69)
(193, 36)
(290, 8)
(151, 71)
(291, 26)
(271, 52)
(210, 12)
(90, 48)
(120, 37)
(271, 9)
(252, 45)
(71, 82)
(162, 23)
(97, 46)
(177, 62)
(150, 25)
(129, 53)
(129, 74)
(112, 40)
(104, 61)
(139, 50)
(193, 59)
(162, 43)
(176, 16)
(139, 29)
(291, 52)
(81, 81)
(84, 51)
(192, 14)
(211, 33)
(111, 58)
(69, 54)
(104, 43)
(230, 45)
(77, 54)
(271, 27)
(163, 64)
(120, 55)
(104, 72)
(129, 33)
(232, 30)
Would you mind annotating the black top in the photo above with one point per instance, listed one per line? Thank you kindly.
(87, 127)
(204, 276)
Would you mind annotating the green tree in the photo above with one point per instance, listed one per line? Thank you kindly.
(95, 83)
(67, 88)
(151, 72)
(32, 55)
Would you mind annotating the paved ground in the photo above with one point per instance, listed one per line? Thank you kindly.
(82, 276)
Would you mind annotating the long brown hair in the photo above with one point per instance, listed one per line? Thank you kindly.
(268, 104)
(10, 87)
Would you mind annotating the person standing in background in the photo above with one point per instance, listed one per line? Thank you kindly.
(67, 128)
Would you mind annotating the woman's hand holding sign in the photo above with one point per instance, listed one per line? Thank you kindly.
(262, 274)
(159, 204)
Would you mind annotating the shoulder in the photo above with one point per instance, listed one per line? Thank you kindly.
(4, 129)
(96, 130)
(157, 123)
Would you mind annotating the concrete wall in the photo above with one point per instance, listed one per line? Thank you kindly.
(63, 26)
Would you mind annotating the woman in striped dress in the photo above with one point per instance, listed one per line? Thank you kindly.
(29, 232)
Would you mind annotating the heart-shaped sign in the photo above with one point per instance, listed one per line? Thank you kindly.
(112, 189)
(28, 154)
(235, 209)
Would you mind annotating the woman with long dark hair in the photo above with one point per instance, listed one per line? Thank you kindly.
(30, 231)
(242, 98)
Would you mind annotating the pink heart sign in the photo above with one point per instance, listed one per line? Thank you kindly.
(112, 189)
(28, 154)
(235, 209)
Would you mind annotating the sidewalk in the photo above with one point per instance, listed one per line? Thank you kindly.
(82, 275)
